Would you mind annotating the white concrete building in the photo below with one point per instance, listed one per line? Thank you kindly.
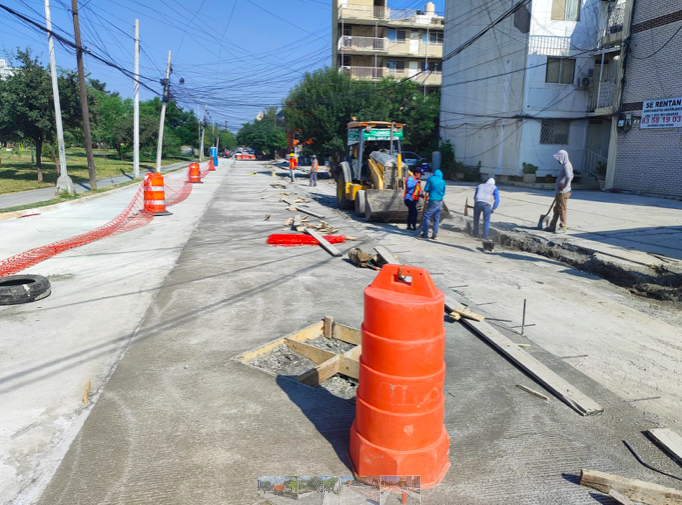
(5, 70)
(527, 88)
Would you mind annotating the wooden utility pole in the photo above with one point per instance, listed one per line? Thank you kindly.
(84, 96)
(166, 85)
(136, 109)
(64, 182)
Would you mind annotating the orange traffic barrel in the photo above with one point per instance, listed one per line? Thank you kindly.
(194, 173)
(211, 165)
(404, 500)
(398, 427)
(154, 195)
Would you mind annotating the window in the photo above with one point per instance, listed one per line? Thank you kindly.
(395, 66)
(566, 10)
(554, 132)
(436, 38)
(560, 70)
(433, 66)
(395, 35)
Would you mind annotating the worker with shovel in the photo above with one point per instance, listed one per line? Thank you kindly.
(486, 200)
(563, 192)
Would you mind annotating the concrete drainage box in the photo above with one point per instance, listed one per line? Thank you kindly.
(325, 354)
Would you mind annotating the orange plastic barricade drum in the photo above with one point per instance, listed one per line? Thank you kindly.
(398, 427)
(211, 165)
(194, 173)
(404, 499)
(154, 196)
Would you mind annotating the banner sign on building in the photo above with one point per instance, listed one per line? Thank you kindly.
(662, 113)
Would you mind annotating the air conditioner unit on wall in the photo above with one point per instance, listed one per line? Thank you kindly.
(583, 82)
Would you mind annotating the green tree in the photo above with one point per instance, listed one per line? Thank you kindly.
(27, 107)
(314, 482)
(330, 483)
(265, 135)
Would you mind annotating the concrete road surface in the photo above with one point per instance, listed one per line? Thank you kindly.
(358, 496)
(100, 295)
(180, 421)
(394, 496)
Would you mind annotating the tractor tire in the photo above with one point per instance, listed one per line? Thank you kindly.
(16, 289)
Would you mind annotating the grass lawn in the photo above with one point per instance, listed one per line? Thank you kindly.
(17, 173)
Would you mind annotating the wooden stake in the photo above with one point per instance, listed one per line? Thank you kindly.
(328, 326)
(532, 391)
(86, 392)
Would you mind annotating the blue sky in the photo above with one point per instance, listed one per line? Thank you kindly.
(237, 56)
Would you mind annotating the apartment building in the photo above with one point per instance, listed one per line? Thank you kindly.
(371, 40)
(542, 80)
(646, 154)
(5, 70)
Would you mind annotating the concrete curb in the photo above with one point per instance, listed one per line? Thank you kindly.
(655, 281)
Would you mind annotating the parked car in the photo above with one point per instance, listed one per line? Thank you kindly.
(412, 159)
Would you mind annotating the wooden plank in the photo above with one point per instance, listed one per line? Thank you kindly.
(532, 391)
(636, 490)
(319, 374)
(309, 333)
(314, 354)
(580, 402)
(347, 334)
(354, 353)
(328, 326)
(387, 255)
(457, 308)
(309, 212)
(620, 498)
(670, 441)
(86, 391)
(326, 245)
(349, 367)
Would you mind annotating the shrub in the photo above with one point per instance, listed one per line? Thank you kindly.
(529, 168)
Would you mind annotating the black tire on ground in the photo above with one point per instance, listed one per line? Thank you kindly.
(16, 289)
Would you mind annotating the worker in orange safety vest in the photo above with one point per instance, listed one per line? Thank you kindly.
(412, 194)
(293, 163)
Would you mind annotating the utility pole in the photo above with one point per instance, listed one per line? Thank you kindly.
(166, 85)
(217, 139)
(136, 110)
(203, 134)
(64, 182)
(84, 96)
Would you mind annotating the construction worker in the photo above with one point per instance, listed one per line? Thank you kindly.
(486, 200)
(314, 166)
(562, 192)
(411, 196)
(292, 166)
(433, 203)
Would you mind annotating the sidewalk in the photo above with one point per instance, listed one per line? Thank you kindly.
(44, 194)
(635, 236)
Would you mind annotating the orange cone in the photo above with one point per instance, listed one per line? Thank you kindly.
(398, 428)
(194, 173)
(154, 196)
(404, 500)
(211, 165)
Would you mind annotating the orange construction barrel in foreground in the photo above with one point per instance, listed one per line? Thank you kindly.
(194, 173)
(154, 195)
(211, 165)
(404, 500)
(398, 427)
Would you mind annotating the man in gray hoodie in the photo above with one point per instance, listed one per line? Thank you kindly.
(563, 192)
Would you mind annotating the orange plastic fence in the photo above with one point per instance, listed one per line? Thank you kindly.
(133, 216)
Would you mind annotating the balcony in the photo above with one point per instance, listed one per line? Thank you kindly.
(602, 98)
(611, 20)
(390, 47)
(391, 16)
(365, 73)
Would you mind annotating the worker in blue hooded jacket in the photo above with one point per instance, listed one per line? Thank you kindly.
(435, 191)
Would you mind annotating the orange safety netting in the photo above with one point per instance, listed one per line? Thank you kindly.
(177, 190)
(133, 216)
(291, 239)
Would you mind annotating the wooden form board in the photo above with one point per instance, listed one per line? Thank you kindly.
(580, 402)
(670, 441)
(386, 255)
(329, 363)
(309, 333)
(326, 245)
(347, 334)
(636, 490)
(457, 311)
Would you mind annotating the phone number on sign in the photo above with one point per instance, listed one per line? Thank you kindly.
(649, 122)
